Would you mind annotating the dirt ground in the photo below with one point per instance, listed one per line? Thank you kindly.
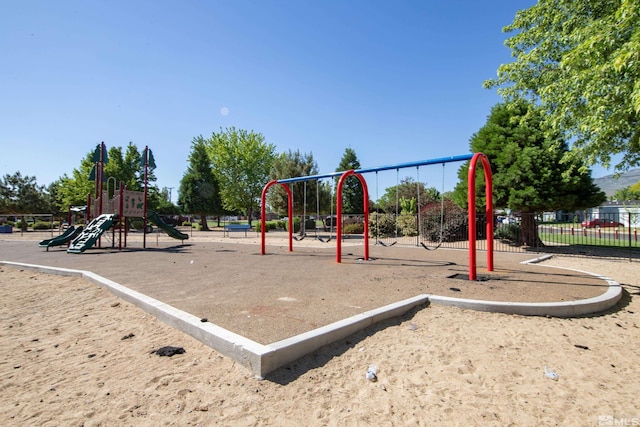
(73, 354)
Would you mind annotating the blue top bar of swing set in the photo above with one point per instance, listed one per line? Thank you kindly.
(442, 160)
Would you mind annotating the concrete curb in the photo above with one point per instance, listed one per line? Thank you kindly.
(553, 309)
(293, 348)
(258, 358)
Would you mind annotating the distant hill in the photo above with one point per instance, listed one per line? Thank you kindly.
(609, 184)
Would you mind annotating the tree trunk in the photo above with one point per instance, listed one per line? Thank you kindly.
(529, 231)
(249, 215)
(203, 222)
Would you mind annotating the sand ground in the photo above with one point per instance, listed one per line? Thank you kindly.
(64, 360)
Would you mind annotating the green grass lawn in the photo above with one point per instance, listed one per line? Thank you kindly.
(604, 238)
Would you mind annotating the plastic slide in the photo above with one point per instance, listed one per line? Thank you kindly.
(69, 234)
(91, 234)
(169, 229)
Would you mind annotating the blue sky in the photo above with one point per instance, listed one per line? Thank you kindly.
(396, 81)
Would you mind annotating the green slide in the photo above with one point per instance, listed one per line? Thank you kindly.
(169, 229)
(91, 234)
(69, 234)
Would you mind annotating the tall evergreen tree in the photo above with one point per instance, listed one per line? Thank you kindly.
(529, 173)
(199, 189)
(352, 193)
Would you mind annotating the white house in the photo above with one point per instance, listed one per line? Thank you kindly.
(626, 212)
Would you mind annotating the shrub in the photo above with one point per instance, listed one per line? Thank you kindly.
(45, 225)
(40, 225)
(23, 226)
(353, 228)
(508, 232)
(135, 223)
(269, 225)
(382, 225)
(453, 228)
(296, 225)
(407, 225)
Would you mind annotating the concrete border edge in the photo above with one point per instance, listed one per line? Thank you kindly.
(582, 307)
(293, 348)
(243, 350)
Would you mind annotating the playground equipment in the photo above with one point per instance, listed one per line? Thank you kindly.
(439, 243)
(153, 217)
(380, 242)
(91, 234)
(303, 228)
(330, 219)
(473, 158)
(70, 233)
(112, 211)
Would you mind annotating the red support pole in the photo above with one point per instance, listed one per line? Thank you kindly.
(365, 194)
(88, 217)
(471, 195)
(290, 225)
(339, 215)
(263, 215)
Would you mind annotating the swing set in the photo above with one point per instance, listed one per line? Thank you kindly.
(471, 196)
(303, 227)
(419, 216)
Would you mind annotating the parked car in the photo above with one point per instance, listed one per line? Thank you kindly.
(600, 222)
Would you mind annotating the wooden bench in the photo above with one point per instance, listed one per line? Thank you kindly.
(229, 228)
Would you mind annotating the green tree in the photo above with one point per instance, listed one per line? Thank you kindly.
(352, 193)
(407, 189)
(73, 190)
(631, 192)
(158, 200)
(241, 162)
(528, 175)
(22, 194)
(580, 59)
(126, 168)
(199, 191)
(291, 165)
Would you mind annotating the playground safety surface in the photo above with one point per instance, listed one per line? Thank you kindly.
(268, 298)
